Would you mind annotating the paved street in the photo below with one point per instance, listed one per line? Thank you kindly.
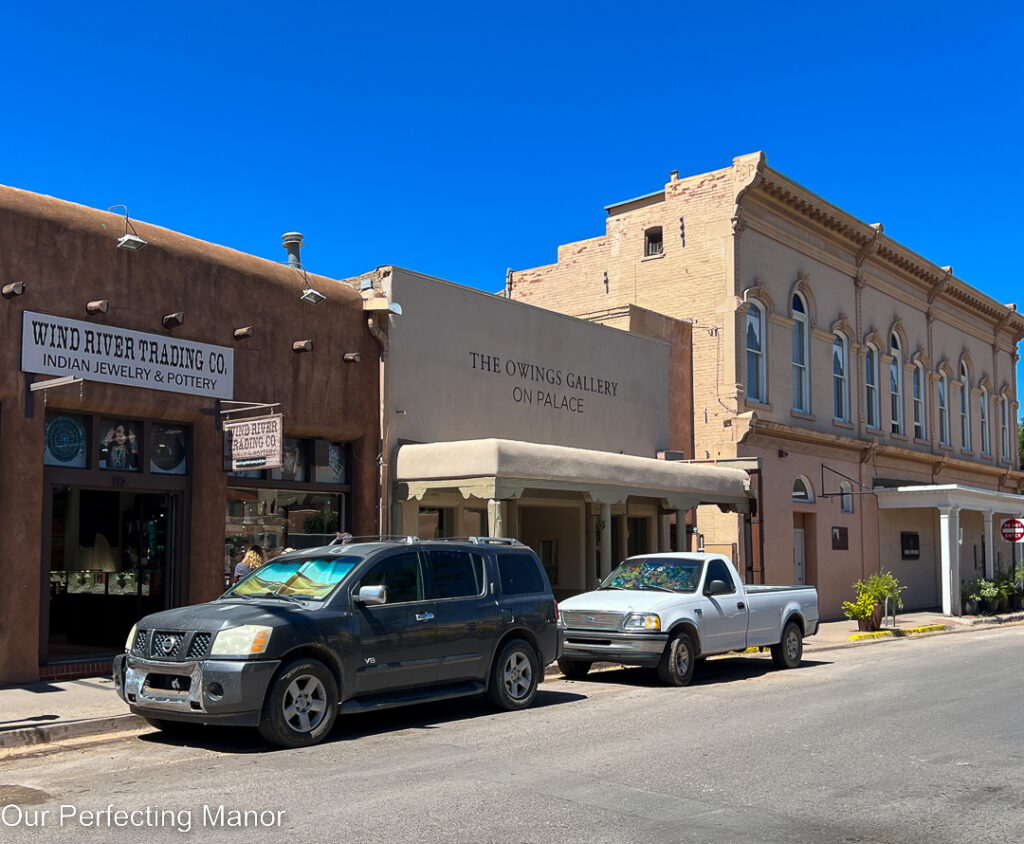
(903, 741)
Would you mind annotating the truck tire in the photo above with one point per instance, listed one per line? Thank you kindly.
(514, 676)
(788, 652)
(676, 666)
(574, 669)
(301, 705)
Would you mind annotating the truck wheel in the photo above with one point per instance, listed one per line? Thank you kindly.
(676, 666)
(788, 652)
(301, 705)
(574, 669)
(513, 676)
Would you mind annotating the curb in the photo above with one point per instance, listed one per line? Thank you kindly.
(900, 632)
(50, 733)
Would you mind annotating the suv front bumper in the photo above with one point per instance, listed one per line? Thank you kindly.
(227, 692)
(607, 646)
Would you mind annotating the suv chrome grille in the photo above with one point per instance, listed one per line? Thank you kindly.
(199, 645)
(166, 645)
(592, 620)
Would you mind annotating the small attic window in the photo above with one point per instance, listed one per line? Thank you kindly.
(654, 244)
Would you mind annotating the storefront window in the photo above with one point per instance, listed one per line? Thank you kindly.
(329, 464)
(119, 445)
(167, 455)
(65, 441)
(277, 519)
(293, 461)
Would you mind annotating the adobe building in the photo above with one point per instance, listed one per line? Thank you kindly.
(119, 367)
(504, 419)
(871, 393)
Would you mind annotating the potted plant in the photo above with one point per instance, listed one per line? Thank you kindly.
(969, 598)
(862, 609)
(988, 595)
(1004, 584)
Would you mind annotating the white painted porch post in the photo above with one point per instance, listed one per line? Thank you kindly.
(949, 545)
(989, 552)
(495, 517)
(606, 540)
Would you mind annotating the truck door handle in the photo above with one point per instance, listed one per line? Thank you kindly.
(424, 616)
(741, 606)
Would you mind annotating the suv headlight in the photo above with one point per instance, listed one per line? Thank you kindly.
(642, 621)
(131, 638)
(246, 640)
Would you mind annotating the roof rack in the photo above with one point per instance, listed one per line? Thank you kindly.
(348, 539)
(480, 540)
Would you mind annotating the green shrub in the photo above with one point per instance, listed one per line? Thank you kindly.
(881, 586)
(861, 608)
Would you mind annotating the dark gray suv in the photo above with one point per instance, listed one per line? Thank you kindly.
(353, 627)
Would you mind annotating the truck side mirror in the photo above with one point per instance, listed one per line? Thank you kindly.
(717, 587)
(372, 595)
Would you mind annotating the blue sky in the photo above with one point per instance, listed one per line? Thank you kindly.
(459, 139)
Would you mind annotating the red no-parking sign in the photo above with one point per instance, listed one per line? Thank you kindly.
(1012, 530)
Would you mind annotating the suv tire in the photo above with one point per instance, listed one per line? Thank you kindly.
(514, 676)
(301, 705)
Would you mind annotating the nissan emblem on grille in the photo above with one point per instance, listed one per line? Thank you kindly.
(169, 644)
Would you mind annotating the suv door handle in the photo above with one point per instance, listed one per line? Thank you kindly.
(424, 616)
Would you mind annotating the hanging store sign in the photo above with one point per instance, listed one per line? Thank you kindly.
(52, 345)
(254, 443)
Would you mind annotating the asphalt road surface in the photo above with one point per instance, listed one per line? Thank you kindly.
(901, 741)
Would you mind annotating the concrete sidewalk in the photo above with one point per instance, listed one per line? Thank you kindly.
(45, 713)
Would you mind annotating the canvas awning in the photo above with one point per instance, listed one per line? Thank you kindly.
(498, 469)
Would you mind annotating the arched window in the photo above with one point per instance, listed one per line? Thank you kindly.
(755, 354)
(802, 489)
(943, 409)
(986, 445)
(801, 399)
(919, 427)
(840, 383)
(845, 497)
(965, 408)
(896, 385)
(871, 386)
(1004, 426)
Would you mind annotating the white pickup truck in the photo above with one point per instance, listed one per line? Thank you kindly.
(667, 611)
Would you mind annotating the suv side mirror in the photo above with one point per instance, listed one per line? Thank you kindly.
(717, 587)
(372, 595)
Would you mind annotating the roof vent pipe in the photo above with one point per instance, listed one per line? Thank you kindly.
(292, 241)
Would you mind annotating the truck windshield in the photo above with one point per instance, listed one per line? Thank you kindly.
(310, 578)
(657, 574)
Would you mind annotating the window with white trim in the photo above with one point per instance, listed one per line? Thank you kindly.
(943, 409)
(871, 386)
(919, 382)
(965, 408)
(896, 385)
(840, 383)
(845, 497)
(755, 354)
(802, 489)
(1004, 426)
(986, 445)
(801, 399)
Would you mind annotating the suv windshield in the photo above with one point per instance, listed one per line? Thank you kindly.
(311, 578)
(657, 574)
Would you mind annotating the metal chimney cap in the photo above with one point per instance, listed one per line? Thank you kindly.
(292, 237)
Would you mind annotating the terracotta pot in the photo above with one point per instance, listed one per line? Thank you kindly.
(864, 625)
(877, 614)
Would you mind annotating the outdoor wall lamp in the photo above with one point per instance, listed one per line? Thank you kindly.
(242, 333)
(130, 240)
(351, 357)
(15, 288)
(302, 346)
(171, 320)
(314, 297)
(99, 306)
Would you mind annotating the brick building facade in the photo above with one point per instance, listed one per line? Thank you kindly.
(873, 393)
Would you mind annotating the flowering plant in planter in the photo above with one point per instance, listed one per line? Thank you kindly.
(863, 607)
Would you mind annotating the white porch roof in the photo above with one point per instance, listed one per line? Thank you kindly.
(950, 495)
(502, 469)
